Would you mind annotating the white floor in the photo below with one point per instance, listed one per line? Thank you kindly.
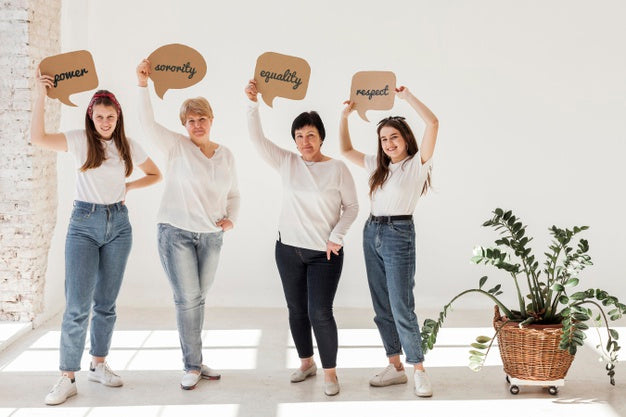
(254, 352)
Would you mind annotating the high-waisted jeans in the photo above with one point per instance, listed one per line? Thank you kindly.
(310, 283)
(98, 242)
(190, 261)
(389, 249)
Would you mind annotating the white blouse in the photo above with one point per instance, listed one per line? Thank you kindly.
(319, 201)
(199, 191)
(403, 187)
(107, 183)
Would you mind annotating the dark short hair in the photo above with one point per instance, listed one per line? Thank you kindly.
(310, 118)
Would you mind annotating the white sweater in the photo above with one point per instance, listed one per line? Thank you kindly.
(319, 201)
(199, 191)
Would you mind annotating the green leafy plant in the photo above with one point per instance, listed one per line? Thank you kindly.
(551, 296)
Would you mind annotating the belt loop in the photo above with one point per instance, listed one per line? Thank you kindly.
(93, 208)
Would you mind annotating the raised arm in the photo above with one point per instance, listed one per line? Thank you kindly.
(163, 137)
(345, 143)
(427, 147)
(38, 135)
(270, 152)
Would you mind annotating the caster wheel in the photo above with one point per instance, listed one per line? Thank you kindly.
(507, 379)
(553, 390)
(514, 389)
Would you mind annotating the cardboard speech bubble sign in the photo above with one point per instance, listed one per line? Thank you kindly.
(176, 66)
(73, 72)
(279, 75)
(372, 90)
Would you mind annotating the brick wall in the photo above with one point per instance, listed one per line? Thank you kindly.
(30, 31)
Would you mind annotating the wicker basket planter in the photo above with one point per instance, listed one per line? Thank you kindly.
(531, 353)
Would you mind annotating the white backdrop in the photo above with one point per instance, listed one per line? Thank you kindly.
(530, 97)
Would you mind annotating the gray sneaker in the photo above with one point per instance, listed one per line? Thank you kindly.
(61, 391)
(104, 375)
(423, 387)
(190, 380)
(389, 376)
(208, 373)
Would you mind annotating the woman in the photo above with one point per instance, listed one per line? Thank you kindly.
(399, 175)
(99, 236)
(319, 205)
(200, 203)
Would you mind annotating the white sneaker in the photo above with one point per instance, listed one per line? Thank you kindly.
(190, 380)
(208, 373)
(61, 391)
(104, 375)
(389, 376)
(423, 387)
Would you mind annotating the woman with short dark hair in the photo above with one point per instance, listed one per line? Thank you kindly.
(319, 205)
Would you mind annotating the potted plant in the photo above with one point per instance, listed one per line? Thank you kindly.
(550, 300)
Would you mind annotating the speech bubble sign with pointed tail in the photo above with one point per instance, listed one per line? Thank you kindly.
(175, 66)
(279, 75)
(73, 72)
(372, 90)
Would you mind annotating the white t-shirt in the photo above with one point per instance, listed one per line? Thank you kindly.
(107, 183)
(199, 191)
(319, 201)
(403, 187)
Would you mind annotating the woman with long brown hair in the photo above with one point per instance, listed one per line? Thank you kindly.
(99, 236)
(399, 176)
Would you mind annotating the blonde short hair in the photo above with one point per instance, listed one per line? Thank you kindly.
(198, 105)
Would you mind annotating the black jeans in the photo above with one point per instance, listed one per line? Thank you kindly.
(310, 284)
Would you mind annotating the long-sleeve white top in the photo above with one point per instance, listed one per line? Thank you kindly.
(199, 191)
(319, 201)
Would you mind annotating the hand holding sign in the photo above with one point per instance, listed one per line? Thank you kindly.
(280, 75)
(176, 66)
(372, 90)
(70, 73)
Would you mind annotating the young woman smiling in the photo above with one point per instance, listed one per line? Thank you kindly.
(399, 175)
(99, 236)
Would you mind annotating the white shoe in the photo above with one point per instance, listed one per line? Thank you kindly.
(208, 373)
(190, 380)
(423, 387)
(61, 391)
(389, 376)
(104, 375)
(331, 388)
(299, 375)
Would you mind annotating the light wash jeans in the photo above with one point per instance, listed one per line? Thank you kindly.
(190, 261)
(98, 242)
(389, 249)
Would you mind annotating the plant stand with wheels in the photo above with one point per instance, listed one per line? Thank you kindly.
(552, 385)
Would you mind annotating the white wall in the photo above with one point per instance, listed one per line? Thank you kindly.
(530, 98)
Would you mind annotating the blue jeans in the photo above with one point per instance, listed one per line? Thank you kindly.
(98, 242)
(389, 249)
(190, 260)
(310, 284)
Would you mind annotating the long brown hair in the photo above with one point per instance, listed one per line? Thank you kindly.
(380, 175)
(95, 148)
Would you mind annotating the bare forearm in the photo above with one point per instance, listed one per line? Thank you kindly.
(144, 181)
(424, 112)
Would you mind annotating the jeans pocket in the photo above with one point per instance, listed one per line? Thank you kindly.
(406, 229)
(80, 214)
